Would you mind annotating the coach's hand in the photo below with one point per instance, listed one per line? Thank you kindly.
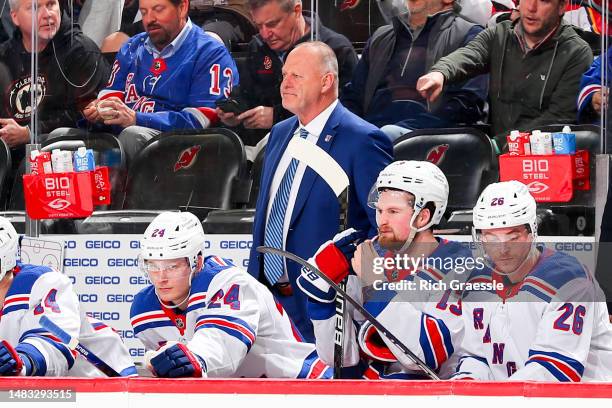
(176, 360)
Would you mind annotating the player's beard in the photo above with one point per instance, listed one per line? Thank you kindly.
(390, 241)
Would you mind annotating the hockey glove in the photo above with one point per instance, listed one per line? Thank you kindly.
(333, 259)
(13, 362)
(373, 345)
(175, 360)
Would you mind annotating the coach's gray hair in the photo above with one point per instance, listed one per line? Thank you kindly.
(13, 4)
(285, 5)
(329, 62)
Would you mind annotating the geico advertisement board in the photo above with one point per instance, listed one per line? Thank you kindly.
(106, 276)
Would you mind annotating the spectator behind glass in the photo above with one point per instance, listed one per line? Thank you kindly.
(535, 65)
(282, 26)
(383, 89)
(593, 92)
(229, 21)
(165, 79)
(71, 71)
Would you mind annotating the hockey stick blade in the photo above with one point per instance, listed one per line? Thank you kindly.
(336, 178)
(320, 162)
(74, 344)
(382, 329)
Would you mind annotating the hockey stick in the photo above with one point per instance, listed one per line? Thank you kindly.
(74, 344)
(382, 329)
(330, 171)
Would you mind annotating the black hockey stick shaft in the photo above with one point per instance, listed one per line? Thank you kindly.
(340, 303)
(367, 315)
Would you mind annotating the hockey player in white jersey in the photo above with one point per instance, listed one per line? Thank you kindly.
(28, 292)
(546, 319)
(204, 317)
(409, 197)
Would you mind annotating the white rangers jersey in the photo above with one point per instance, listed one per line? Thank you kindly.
(427, 319)
(233, 323)
(39, 290)
(551, 326)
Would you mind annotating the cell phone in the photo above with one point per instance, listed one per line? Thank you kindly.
(230, 105)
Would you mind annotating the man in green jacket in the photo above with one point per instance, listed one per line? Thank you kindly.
(535, 66)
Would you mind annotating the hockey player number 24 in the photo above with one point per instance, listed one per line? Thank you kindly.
(232, 298)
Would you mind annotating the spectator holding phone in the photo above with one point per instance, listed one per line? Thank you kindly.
(282, 25)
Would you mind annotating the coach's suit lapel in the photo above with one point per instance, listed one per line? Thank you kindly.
(327, 137)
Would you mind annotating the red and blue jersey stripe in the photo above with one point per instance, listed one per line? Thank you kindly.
(16, 302)
(233, 326)
(563, 368)
(150, 320)
(313, 367)
(435, 341)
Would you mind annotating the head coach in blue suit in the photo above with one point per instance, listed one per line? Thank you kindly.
(296, 209)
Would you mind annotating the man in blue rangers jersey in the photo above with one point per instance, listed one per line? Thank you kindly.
(167, 78)
(204, 317)
(28, 292)
(410, 197)
(546, 319)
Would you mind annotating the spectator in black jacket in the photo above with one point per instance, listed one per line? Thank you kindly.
(282, 26)
(71, 71)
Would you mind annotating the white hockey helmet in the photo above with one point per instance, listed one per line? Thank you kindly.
(505, 204)
(173, 235)
(9, 241)
(423, 179)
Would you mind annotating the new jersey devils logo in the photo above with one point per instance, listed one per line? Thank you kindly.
(348, 4)
(436, 154)
(187, 158)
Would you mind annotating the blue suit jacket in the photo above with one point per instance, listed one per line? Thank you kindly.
(362, 150)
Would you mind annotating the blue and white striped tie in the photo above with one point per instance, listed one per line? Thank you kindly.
(273, 237)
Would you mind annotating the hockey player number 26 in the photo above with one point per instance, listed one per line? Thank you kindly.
(232, 298)
(568, 311)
